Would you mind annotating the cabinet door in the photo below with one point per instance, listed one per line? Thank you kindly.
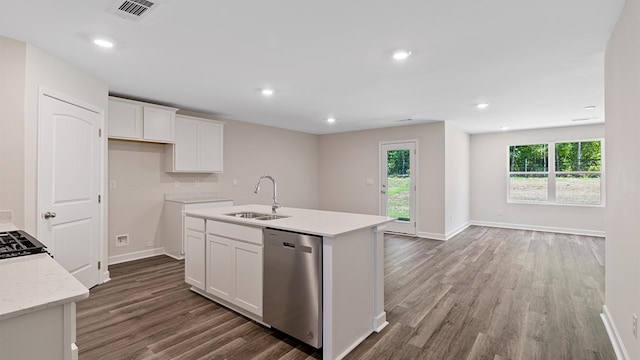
(248, 276)
(158, 124)
(186, 145)
(194, 263)
(125, 120)
(210, 146)
(219, 267)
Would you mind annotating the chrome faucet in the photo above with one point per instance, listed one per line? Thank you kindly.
(275, 204)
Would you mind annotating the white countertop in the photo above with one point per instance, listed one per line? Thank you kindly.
(35, 282)
(317, 222)
(194, 198)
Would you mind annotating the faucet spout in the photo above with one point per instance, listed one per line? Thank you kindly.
(275, 204)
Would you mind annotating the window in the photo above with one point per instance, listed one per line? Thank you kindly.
(562, 172)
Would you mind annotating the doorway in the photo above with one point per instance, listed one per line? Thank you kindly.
(69, 182)
(398, 185)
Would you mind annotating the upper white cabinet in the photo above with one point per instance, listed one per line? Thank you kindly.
(135, 120)
(198, 146)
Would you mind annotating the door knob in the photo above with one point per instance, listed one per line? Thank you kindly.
(49, 215)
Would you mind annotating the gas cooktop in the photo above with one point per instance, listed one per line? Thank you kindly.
(19, 243)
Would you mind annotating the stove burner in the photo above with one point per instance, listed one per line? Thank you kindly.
(19, 243)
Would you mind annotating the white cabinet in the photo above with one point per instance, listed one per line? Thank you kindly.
(198, 146)
(135, 120)
(46, 333)
(174, 237)
(234, 265)
(194, 243)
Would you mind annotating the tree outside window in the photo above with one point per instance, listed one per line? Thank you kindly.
(563, 172)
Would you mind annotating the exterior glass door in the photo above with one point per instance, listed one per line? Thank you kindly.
(398, 186)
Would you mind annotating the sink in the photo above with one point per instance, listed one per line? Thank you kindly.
(256, 216)
(271, 217)
(246, 214)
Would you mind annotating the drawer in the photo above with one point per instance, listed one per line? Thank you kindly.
(193, 223)
(233, 231)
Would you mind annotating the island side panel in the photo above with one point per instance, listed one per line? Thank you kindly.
(380, 318)
(348, 291)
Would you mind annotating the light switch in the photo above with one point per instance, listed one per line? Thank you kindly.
(235, 182)
(112, 185)
(369, 182)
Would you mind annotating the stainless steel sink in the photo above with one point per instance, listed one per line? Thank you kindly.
(256, 216)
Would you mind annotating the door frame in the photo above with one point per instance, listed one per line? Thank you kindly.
(102, 148)
(415, 174)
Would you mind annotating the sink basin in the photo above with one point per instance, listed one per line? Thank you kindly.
(257, 216)
(246, 214)
(271, 217)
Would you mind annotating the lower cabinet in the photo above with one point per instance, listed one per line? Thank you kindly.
(234, 272)
(225, 261)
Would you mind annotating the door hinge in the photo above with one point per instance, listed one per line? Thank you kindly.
(99, 132)
(99, 199)
(99, 264)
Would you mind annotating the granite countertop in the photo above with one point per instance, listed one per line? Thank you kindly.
(34, 282)
(317, 222)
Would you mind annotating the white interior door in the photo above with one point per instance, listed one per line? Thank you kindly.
(398, 185)
(69, 173)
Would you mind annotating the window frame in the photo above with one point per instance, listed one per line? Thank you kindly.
(551, 173)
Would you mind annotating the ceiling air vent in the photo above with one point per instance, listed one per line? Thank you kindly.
(132, 9)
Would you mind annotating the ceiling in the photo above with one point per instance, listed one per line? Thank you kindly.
(538, 63)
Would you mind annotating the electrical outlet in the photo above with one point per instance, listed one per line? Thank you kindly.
(122, 240)
(150, 242)
(177, 183)
(6, 216)
(635, 326)
(197, 183)
(112, 184)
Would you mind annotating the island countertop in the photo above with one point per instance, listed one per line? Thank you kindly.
(34, 282)
(317, 222)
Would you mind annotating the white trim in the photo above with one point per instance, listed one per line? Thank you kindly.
(181, 257)
(428, 235)
(539, 228)
(614, 337)
(137, 255)
(457, 231)
(355, 343)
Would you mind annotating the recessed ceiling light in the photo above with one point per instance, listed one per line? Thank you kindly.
(504, 128)
(401, 54)
(483, 105)
(104, 43)
(267, 92)
(590, 107)
(331, 120)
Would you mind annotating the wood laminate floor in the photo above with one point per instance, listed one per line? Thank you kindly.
(488, 293)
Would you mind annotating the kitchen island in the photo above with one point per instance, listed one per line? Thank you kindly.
(352, 266)
(37, 308)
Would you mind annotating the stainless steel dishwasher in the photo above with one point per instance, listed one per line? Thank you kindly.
(292, 295)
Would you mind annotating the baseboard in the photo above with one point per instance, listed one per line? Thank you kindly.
(432, 236)
(117, 259)
(539, 228)
(181, 257)
(614, 337)
(104, 277)
(457, 230)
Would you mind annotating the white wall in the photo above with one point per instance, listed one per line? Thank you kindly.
(347, 160)
(457, 180)
(622, 91)
(12, 157)
(489, 175)
(250, 151)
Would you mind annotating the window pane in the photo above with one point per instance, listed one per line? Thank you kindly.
(578, 189)
(528, 187)
(578, 156)
(529, 158)
(399, 184)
